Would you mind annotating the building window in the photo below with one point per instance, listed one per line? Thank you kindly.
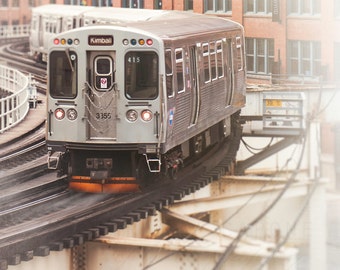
(133, 3)
(337, 61)
(258, 6)
(158, 4)
(76, 2)
(337, 8)
(260, 55)
(188, 4)
(221, 6)
(303, 7)
(304, 58)
(15, 3)
(4, 3)
(102, 3)
(31, 3)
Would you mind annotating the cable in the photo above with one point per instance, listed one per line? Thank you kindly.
(320, 110)
(285, 239)
(251, 148)
(245, 229)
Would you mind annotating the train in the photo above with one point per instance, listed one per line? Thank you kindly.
(136, 99)
(50, 20)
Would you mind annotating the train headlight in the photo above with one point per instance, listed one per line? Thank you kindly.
(131, 115)
(146, 115)
(149, 41)
(71, 114)
(59, 114)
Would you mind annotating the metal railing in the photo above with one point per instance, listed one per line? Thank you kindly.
(14, 31)
(15, 106)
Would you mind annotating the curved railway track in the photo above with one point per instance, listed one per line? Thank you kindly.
(38, 213)
(52, 223)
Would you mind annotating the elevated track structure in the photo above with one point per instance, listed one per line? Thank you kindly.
(236, 222)
(13, 33)
(14, 99)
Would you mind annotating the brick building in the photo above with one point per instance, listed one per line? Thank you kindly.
(284, 38)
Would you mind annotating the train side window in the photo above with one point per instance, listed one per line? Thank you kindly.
(47, 27)
(63, 66)
(179, 70)
(239, 55)
(219, 54)
(141, 75)
(213, 67)
(169, 73)
(229, 70)
(103, 72)
(206, 62)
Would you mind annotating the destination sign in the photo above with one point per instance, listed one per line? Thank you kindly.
(100, 40)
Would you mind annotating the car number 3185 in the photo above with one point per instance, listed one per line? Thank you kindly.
(103, 116)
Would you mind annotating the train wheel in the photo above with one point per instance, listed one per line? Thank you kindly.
(173, 171)
(142, 172)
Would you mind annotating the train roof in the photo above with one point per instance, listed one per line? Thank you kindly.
(59, 10)
(163, 23)
(124, 15)
(197, 25)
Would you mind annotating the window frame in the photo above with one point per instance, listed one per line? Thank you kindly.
(226, 6)
(180, 62)
(53, 66)
(255, 54)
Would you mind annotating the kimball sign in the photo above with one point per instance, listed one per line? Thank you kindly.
(100, 40)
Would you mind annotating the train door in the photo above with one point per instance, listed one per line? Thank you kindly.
(101, 104)
(195, 93)
(229, 71)
(41, 30)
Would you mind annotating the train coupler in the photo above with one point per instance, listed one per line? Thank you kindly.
(53, 160)
(154, 163)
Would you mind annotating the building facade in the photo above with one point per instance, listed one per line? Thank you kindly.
(285, 39)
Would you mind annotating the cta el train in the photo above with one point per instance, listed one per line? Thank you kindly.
(134, 100)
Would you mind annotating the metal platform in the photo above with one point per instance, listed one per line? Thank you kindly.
(274, 114)
(278, 114)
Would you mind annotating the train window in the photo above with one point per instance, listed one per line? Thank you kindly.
(63, 82)
(239, 56)
(206, 64)
(103, 72)
(219, 54)
(169, 73)
(213, 67)
(179, 70)
(141, 75)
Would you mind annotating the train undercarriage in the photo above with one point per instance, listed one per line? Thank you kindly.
(101, 170)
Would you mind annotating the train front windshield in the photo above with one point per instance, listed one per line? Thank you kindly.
(63, 74)
(141, 75)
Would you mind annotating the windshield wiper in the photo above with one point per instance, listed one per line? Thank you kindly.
(67, 52)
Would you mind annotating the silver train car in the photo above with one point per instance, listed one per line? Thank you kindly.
(50, 20)
(131, 101)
